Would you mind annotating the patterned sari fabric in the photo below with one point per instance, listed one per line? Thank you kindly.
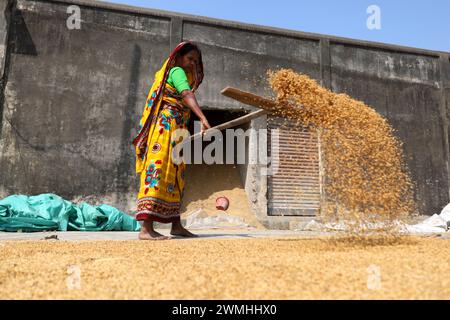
(161, 180)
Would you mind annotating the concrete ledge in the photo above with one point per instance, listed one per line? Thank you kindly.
(124, 235)
(244, 26)
(286, 222)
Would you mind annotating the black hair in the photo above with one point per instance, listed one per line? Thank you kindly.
(188, 48)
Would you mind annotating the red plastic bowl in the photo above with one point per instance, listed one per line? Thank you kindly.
(222, 203)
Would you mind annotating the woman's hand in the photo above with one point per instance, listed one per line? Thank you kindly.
(205, 125)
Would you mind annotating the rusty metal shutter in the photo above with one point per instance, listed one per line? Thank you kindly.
(295, 187)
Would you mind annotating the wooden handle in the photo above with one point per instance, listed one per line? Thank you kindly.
(244, 97)
(229, 124)
(249, 98)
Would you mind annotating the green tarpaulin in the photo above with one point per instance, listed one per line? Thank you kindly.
(51, 212)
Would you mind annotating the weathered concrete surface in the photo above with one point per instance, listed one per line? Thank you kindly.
(74, 97)
(241, 58)
(445, 71)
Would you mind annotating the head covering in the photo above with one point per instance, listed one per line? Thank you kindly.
(195, 76)
(153, 102)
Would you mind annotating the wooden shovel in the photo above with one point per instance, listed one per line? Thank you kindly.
(247, 98)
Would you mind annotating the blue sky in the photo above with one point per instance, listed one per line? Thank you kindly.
(420, 24)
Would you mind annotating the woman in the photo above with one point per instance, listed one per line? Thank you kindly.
(168, 107)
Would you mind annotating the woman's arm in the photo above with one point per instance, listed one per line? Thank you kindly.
(190, 100)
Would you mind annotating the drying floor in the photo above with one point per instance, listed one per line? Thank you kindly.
(258, 268)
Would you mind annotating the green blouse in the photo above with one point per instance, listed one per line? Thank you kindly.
(177, 78)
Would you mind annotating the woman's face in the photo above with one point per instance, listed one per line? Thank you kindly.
(189, 60)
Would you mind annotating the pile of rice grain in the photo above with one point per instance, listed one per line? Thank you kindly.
(240, 268)
(366, 180)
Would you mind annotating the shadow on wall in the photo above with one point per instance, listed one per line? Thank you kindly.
(126, 160)
(20, 41)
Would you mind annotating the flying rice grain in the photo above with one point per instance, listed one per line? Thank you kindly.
(366, 183)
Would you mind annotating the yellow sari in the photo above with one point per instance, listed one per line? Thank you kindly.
(162, 181)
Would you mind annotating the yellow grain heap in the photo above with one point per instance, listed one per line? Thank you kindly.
(366, 180)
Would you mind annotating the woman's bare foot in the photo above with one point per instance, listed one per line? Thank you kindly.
(183, 233)
(152, 235)
(179, 230)
(148, 233)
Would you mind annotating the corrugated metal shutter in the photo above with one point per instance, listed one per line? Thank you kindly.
(295, 188)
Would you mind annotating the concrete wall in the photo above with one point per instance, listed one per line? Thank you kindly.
(73, 98)
(445, 71)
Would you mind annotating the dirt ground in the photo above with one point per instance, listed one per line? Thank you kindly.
(277, 268)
